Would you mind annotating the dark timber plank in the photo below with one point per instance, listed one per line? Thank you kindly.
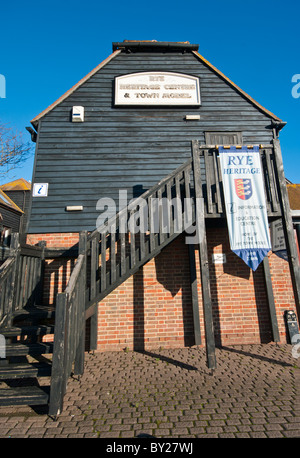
(205, 280)
(103, 260)
(217, 181)
(58, 361)
(271, 180)
(93, 287)
(204, 268)
(271, 300)
(31, 395)
(208, 173)
(194, 290)
(80, 310)
(113, 254)
(288, 225)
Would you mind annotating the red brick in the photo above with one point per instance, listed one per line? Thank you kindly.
(156, 302)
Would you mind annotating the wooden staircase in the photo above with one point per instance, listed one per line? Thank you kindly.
(106, 258)
(23, 324)
(25, 361)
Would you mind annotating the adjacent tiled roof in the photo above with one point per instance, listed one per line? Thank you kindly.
(117, 47)
(294, 196)
(17, 185)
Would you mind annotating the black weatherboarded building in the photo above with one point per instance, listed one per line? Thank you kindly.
(133, 146)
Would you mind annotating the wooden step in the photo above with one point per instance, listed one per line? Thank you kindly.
(39, 330)
(33, 316)
(37, 311)
(27, 395)
(24, 370)
(22, 349)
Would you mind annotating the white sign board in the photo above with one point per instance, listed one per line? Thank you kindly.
(40, 190)
(157, 88)
(277, 236)
(219, 258)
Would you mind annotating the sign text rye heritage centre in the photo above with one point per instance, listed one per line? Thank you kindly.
(157, 88)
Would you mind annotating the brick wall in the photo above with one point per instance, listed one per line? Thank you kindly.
(153, 308)
(57, 240)
(57, 271)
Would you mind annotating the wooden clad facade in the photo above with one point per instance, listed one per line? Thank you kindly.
(131, 147)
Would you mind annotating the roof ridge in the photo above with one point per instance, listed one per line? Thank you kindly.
(14, 183)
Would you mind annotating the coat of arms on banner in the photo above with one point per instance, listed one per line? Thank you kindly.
(243, 188)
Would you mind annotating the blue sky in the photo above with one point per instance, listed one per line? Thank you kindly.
(47, 47)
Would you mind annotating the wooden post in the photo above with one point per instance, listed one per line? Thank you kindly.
(12, 287)
(288, 225)
(298, 234)
(205, 281)
(40, 280)
(194, 290)
(271, 301)
(59, 357)
(79, 357)
(94, 270)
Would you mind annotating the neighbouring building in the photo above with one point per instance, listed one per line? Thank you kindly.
(294, 200)
(10, 217)
(19, 191)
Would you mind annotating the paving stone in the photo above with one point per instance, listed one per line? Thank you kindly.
(214, 429)
(274, 434)
(291, 434)
(292, 426)
(126, 394)
(242, 435)
(127, 434)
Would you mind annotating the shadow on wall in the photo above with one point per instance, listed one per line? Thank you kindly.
(57, 274)
(172, 273)
(234, 285)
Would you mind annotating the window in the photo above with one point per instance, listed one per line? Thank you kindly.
(223, 138)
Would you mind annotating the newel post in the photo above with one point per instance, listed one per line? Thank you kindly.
(288, 225)
(79, 356)
(203, 255)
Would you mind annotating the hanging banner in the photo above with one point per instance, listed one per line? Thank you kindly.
(246, 210)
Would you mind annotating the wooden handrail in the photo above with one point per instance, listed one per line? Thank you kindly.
(116, 254)
(141, 198)
(20, 279)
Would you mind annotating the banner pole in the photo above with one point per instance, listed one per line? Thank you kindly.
(288, 225)
(204, 267)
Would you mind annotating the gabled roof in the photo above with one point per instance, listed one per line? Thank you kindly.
(7, 202)
(136, 45)
(17, 185)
